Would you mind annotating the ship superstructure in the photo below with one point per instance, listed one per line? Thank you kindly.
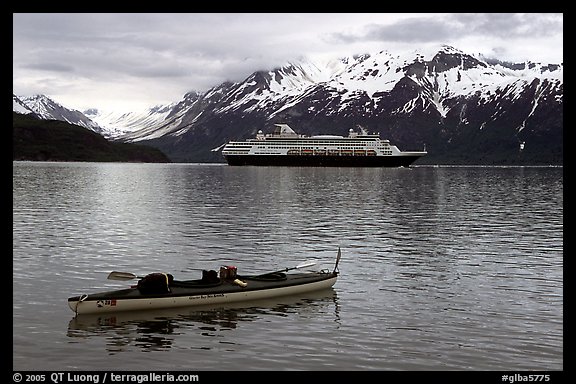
(286, 147)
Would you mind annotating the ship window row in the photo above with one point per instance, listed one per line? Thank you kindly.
(291, 144)
(326, 143)
(315, 147)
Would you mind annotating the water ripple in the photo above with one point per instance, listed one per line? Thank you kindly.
(449, 268)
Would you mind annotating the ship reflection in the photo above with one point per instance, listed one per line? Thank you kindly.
(156, 330)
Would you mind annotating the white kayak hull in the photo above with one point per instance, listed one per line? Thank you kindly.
(84, 305)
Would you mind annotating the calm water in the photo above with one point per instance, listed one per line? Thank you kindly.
(446, 268)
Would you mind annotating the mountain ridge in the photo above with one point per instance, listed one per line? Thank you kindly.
(415, 98)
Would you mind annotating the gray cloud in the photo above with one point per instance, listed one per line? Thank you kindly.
(510, 25)
(50, 67)
(410, 30)
(159, 57)
(449, 27)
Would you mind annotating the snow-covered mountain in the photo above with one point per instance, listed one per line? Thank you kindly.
(115, 124)
(465, 109)
(110, 124)
(455, 103)
(46, 108)
(20, 107)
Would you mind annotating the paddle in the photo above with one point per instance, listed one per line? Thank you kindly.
(303, 265)
(300, 266)
(114, 275)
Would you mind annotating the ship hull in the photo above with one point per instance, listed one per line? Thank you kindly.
(322, 161)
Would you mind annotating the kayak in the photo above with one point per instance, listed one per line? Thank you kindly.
(160, 290)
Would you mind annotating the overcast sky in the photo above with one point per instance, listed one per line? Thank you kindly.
(133, 61)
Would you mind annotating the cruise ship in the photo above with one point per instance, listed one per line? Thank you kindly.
(284, 147)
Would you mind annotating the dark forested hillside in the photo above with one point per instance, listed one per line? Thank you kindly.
(54, 140)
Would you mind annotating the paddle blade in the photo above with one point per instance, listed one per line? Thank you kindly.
(121, 276)
(305, 265)
(337, 260)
